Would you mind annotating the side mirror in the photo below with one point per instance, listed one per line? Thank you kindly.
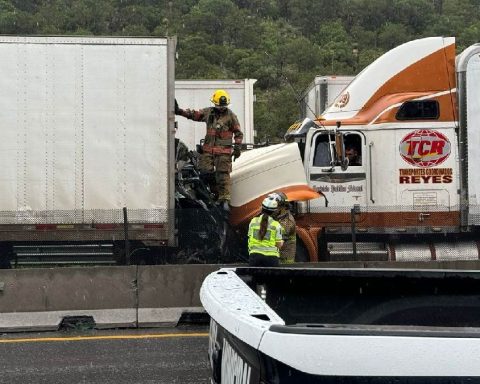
(341, 159)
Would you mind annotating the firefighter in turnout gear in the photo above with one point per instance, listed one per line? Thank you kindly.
(265, 236)
(287, 221)
(222, 141)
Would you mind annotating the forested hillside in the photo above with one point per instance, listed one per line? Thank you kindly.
(282, 43)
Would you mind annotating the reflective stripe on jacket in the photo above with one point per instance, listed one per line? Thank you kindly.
(267, 246)
(221, 128)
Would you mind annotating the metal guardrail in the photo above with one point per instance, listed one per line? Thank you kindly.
(363, 251)
(59, 254)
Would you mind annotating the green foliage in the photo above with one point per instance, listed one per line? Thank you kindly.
(469, 36)
(273, 113)
(281, 43)
(392, 34)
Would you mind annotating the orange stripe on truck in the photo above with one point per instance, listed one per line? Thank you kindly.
(424, 77)
(244, 213)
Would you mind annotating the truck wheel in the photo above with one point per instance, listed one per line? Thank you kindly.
(301, 254)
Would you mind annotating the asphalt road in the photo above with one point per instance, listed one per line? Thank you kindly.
(176, 355)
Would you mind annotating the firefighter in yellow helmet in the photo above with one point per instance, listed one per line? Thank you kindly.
(223, 139)
(265, 236)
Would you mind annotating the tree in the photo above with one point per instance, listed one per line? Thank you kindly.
(391, 35)
(260, 8)
(275, 111)
(469, 36)
(13, 21)
(414, 15)
(214, 19)
(281, 43)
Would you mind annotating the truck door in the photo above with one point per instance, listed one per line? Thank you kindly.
(342, 188)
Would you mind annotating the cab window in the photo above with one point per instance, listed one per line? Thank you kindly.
(324, 150)
(353, 149)
(419, 110)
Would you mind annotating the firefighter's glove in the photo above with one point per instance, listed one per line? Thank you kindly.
(236, 151)
(178, 111)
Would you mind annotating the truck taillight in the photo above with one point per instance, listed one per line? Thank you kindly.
(153, 226)
(45, 227)
(106, 226)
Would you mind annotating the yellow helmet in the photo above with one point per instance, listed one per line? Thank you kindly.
(220, 98)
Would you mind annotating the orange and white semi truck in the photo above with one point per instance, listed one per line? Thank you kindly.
(413, 191)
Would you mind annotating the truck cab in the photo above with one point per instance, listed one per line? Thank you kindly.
(389, 160)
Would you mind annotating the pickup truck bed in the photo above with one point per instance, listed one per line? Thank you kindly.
(343, 325)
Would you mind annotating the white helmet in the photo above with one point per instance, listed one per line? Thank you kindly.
(282, 198)
(270, 203)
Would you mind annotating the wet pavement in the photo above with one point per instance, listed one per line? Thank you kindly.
(160, 355)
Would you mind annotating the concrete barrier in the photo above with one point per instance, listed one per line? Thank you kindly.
(166, 292)
(130, 296)
(133, 296)
(40, 298)
(448, 264)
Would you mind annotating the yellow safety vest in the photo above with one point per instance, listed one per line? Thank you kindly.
(266, 246)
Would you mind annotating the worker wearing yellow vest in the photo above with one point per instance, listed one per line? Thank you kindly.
(265, 236)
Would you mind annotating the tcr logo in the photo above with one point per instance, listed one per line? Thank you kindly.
(425, 148)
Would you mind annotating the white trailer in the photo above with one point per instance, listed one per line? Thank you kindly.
(87, 129)
(321, 93)
(196, 94)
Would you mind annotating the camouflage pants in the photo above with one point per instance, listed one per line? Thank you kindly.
(217, 170)
(289, 249)
(287, 252)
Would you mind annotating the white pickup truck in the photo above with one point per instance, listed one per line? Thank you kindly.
(292, 325)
